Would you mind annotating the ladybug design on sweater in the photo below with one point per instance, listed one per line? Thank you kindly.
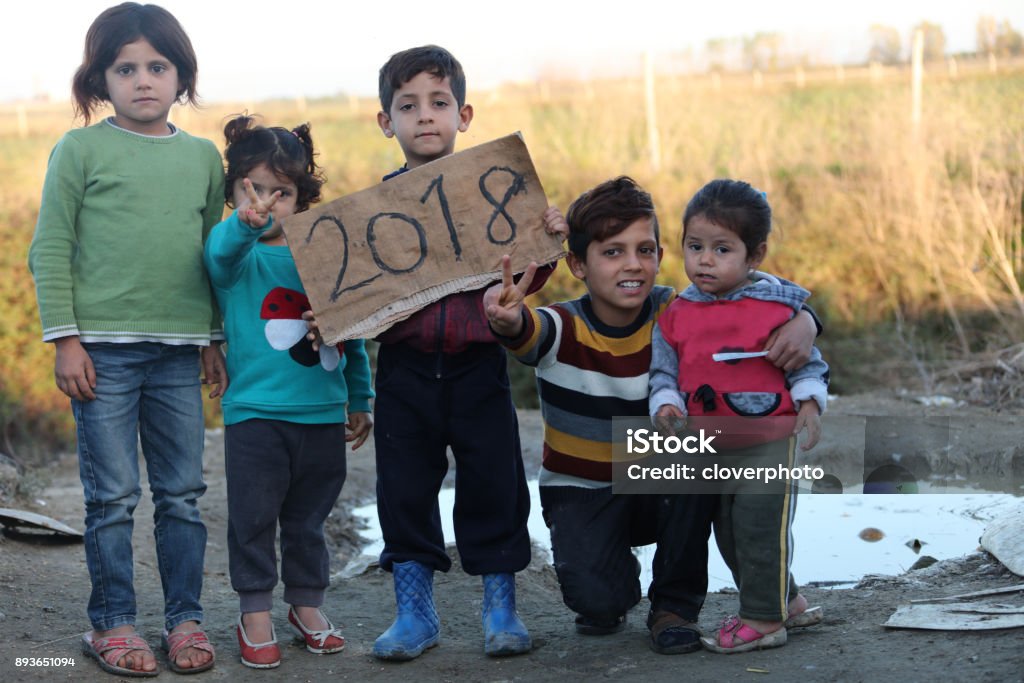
(286, 330)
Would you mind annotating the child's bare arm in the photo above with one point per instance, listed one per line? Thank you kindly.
(789, 346)
(253, 211)
(313, 333)
(215, 371)
(554, 223)
(503, 302)
(808, 418)
(359, 426)
(73, 369)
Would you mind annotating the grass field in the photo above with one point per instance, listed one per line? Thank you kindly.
(910, 237)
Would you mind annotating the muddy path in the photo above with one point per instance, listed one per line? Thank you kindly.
(44, 587)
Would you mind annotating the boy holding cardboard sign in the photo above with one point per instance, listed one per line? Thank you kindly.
(442, 382)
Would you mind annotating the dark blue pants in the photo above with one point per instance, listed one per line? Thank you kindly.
(593, 533)
(289, 474)
(426, 403)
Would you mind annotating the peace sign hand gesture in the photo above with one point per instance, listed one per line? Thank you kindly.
(254, 211)
(503, 302)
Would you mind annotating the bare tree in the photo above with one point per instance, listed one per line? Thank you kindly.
(934, 41)
(761, 51)
(717, 49)
(986, 32)
(1008, 41)
(885, 45)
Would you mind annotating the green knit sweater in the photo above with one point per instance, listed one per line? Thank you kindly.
(117, 254)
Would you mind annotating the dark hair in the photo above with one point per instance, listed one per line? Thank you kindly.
(733, 205)
(287, 153)
(115, 28)
(403, 66)
(606, 210)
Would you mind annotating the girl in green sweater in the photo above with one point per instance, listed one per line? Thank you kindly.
(117, 258)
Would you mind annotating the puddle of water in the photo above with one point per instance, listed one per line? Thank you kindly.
(826, 532)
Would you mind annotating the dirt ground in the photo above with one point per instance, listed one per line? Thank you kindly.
(44, 588)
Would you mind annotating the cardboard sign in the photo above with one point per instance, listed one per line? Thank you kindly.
(375, 257)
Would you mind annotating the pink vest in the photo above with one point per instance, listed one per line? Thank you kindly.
(696, 331)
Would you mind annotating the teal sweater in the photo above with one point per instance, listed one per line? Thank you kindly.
(274, 372)
(117, 254)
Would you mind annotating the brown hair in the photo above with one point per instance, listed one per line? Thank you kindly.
(403, 66)
(736, 206)
(115, 28)
(287, 153)
(606, 210)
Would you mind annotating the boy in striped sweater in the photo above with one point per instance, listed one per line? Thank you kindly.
(592, 357)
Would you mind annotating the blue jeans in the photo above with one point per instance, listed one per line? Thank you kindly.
(149, 392)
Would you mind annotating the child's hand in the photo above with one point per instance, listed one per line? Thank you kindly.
(360, 425)
(253, 211)
(808, 418)
(73, 369)
(214, 370)
(789, 346)
(669, 419)
(313, 334)
(503, 302)
(554, 223)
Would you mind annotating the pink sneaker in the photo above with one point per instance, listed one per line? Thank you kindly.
(735, 637)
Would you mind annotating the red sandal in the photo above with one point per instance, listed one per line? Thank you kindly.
(108, 652)
(174, 643)
(735, 637)
(320, 642)
(258, 655)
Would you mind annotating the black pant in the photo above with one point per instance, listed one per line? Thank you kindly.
(592, 536)
(287, 473)
(425, 404)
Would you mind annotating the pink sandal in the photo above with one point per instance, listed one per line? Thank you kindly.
(174, 643)
(108, 652)
(735, 637)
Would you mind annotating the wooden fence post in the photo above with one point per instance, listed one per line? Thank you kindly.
(653, 139)
(917, 78)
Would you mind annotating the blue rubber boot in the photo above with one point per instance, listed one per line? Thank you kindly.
(504, 632)
(416, 627)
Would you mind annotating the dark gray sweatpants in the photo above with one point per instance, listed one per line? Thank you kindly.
(289, 474)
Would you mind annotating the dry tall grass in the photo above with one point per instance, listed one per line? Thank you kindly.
(885, 223)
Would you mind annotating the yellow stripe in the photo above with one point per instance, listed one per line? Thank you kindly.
(528, 345)
(617, 347)
(584, 449)
(784, 533)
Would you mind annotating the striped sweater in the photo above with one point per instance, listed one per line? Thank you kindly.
(587, 373)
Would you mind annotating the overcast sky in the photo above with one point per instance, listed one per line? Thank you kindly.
(252, 50)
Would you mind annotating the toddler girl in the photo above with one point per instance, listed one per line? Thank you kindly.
(285, 412)
(732, 309)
